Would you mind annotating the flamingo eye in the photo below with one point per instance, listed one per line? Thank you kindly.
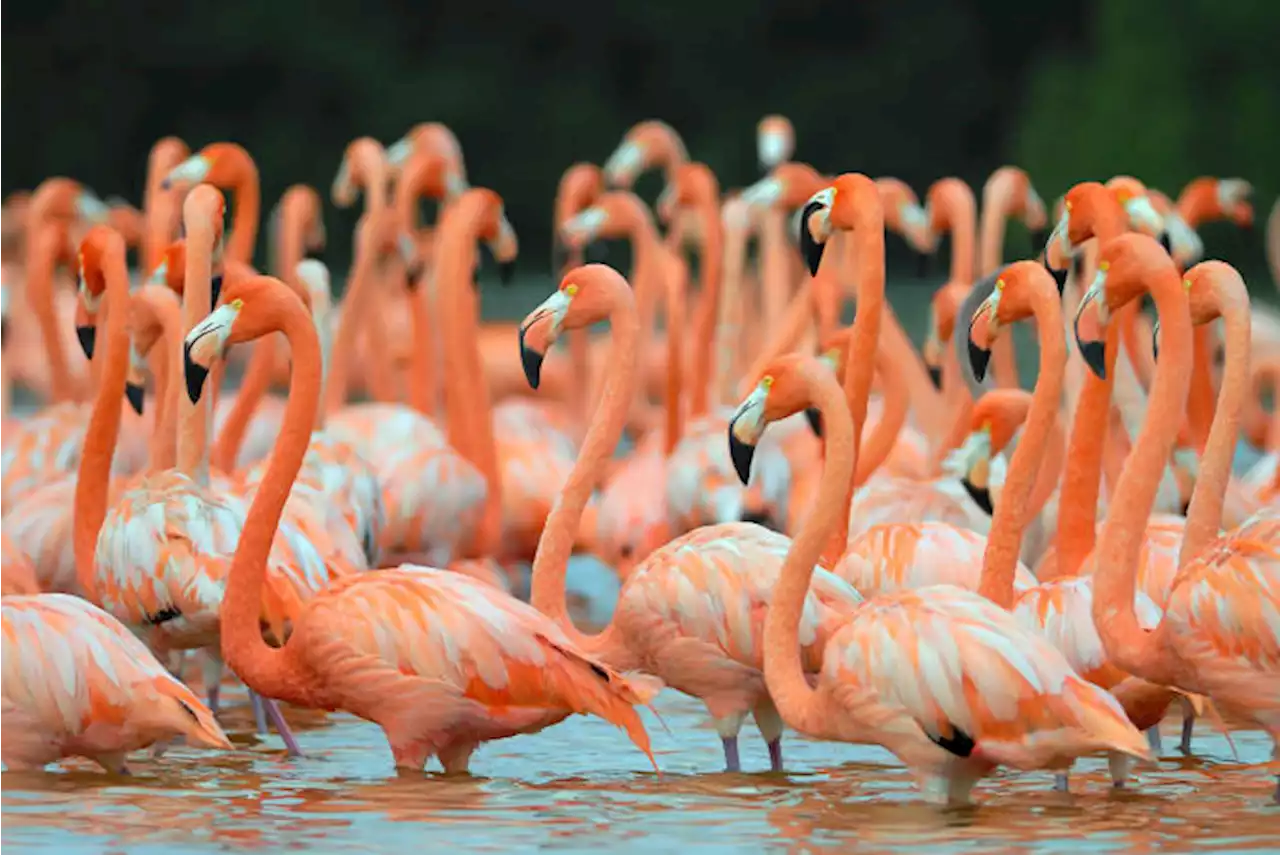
(767, 381)
(571, 289)
(237, 304)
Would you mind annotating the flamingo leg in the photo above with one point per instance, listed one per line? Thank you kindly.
(770, 724)
(1061, 783)
(731, 761)
(1188, 724)
(282, 727)
(259, 712)
(456, 759)
(1153, 739)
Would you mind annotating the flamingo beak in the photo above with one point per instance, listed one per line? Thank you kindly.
(745, 429)
(976, 484)
(972, 463)
(1093, 350)
(1144, 217)
(815, 229)
(983, 328)
(771, 149)
(134, 391)
(813, 415)
(215, 290)
(505, 248)
(932, 353)
(624, 164)
(1155, 340)
(398, 152)
(539, 331)
(207, 341)
(193, 170)
(87, 335)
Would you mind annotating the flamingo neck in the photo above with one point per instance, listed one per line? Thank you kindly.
(42, 259)
(893, 415)
(1132, 649)
(551, 560)
(269, 671)
(358, 301)
(168, 374)
(997, 200)
(1004, 542)
(783, 672)
(93, 478)
(194, 419)
(253, 387)
(1204, 515)
(710, 262)
(244, 226)
(676, 281)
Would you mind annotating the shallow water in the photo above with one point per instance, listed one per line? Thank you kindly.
(583, 786)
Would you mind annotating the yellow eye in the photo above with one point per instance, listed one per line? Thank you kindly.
(237, 304)
(1104, 266)
(833, 194)
(571, 289)
(999, 284)
(986, 426)
(1186, 283)
(1068, 205)
(767, 381)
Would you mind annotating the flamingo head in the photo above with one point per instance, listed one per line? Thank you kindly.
(777, 395)
(587, 295)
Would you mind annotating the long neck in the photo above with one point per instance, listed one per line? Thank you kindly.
(730, 316)
(358, 300)
(783, 672)
(963, 226)
(1050, 471)
(92, 481)
(1082, 481)
(676, 280)
(710, 261)
(244, 227)
(168, 374)
(551, 561)
(893, 415)
(868, 248)
(997, 197)
(649, 281)
(194, 426)
(265, 669)
(1004, 542)
(774, 269)
(1204, 516)
(42, 258)
(1131, 648)
(1201, 405)
(253, 387)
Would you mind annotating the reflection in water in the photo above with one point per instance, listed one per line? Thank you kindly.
(575, 786)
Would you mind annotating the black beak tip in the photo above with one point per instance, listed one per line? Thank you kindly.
(531, 361)
(1077, 266)
(1094, 355)
(135, 395)
(810, 249)
(741, 454)
(87, 337)
(1059, 276)
(195, 375)
(412, 275)
(980, 495)
(1155, 340)
(979, 358)
(814, 417)
(506, 272)
(1165, 242)
(935, 375)
(215, 290)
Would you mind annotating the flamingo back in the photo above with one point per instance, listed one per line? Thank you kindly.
(897, 556)
(17, 575)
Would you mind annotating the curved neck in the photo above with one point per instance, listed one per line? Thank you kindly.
(244, 225)
(253, 387)
(1004, 542)
(1082, 480)
(551, 561)
(1141, 653)
(710, 262)
(1050, 472)
(783, 671)
(466, 393)
(676, 281)
(358, 300)
(963, 216)
(168, 374)
(893, 415)
(93, 478)
(1204, 516)
(868, 256)
(263, 668)
(193, 431)
(997, 199)
(47, 246)
(1201, 402)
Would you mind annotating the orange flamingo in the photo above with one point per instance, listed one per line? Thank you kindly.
(691, 612)
(464, 664)
(1217, 636)
(162, 207)
(942, 677)
(648, 144)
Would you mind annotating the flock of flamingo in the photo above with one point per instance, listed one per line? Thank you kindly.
(815, 525)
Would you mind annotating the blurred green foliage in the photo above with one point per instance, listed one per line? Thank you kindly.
(1164, 89)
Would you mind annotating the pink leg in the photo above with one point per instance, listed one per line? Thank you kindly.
(456, 758)
(731, 761)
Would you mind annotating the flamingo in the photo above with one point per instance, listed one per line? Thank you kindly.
(1218, 634)
(942, 677)
(441, 663)
(691, 612)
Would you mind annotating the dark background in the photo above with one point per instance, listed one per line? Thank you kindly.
(1071, 89)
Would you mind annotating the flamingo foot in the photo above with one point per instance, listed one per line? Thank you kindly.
(1061, 783)
(775, 754)
(1153, 739)
(1188, 724)
(259, 713)
(282, 727)
(731, 761)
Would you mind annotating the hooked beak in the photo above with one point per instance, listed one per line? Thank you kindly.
(134, 391)
(398, 152)
(763, 193)
(538, 332)
(812, 414)
(983, 328)
(815, 229)
(932, 353)
(1155, 340)
(981, 495)
(215, 290)
(91, 208)
(1093, 351)
(87, 335)
(206, 342)
(745, 429)
(972, 462)
(135, 395)
(191, 171)
(1060, 233)
(771, 148)
(582, 228)
(1059, 276)
(621, 167)
(1145, 218)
